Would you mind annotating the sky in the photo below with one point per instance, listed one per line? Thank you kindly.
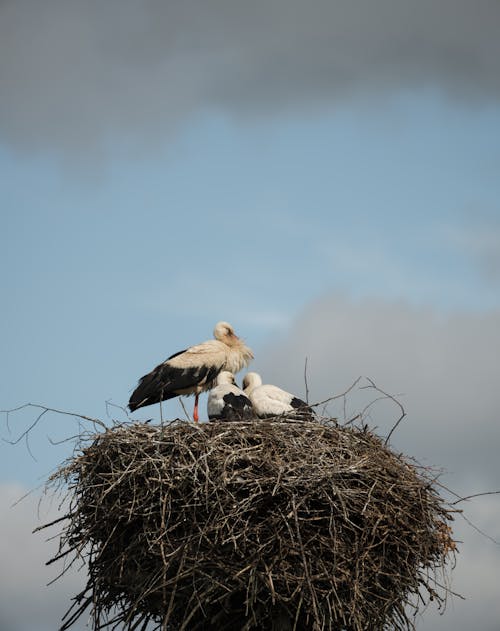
(323, 175)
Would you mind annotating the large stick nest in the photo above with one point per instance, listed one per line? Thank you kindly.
(252, 526)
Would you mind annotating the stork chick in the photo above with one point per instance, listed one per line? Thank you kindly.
(269, 400)
(227, 402)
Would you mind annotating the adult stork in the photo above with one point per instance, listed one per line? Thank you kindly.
(269, 401)
(226, 402)
(193, 370)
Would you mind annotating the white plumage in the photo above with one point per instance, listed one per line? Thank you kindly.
(269, 400)
(227, 402)
(193, 370)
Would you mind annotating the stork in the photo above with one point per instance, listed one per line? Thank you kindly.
(269, 401)
(193, 370)
(226, 402)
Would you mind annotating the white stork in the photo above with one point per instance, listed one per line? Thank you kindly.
(226, 402)
(269, 401)
(193, 370)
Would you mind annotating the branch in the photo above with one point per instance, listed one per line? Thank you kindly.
(305, 381)
(373, 385)
(481, 532)
(338, 396)
(468, 497)
(44, 409)
(109, 404)
(386, 396)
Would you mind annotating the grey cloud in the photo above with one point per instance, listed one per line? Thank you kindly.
(76, 74)
(481, 242)
(446, 369)
(26, 601)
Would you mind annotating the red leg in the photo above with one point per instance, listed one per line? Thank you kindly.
(195, 411)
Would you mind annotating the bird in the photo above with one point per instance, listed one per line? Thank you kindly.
(193, 370)
(269, 401)
(226, 402)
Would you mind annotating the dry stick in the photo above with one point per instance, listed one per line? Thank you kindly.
(481, 532)
(392, 398)
(76, 614)
(66, 567)
(460, 512)
(184, 408)
(45, 410)
(363, 412)
(304, 560)
(305, 381)
(172, 595)
(468, 497)
(146, 622)
(352, 420)
(52, 523)
(26, 432)
(437, 482)
(136, 624)
(69, 439)
(26, 440)
(338, 396)
(124, 409)
(163, 500)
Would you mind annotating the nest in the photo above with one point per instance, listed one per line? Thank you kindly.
(268, 525)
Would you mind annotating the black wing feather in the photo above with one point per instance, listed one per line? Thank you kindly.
(165, 381)
(237, 407)
(298, 404)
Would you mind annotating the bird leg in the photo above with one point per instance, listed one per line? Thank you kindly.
(195, 411)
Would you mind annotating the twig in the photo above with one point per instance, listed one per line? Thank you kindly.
(305, 563)
(338, 396)
(184, 408)
(305, 381)
(481, 532)
(122, 408)
(56, 521)
(45, 410)
(392, 398)
(468, 497)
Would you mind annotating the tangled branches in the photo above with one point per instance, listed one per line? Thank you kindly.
(252, 526)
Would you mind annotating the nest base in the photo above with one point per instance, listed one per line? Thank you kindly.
(268, 525)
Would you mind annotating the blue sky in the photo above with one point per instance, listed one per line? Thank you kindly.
(109, 266)
(287, 205)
